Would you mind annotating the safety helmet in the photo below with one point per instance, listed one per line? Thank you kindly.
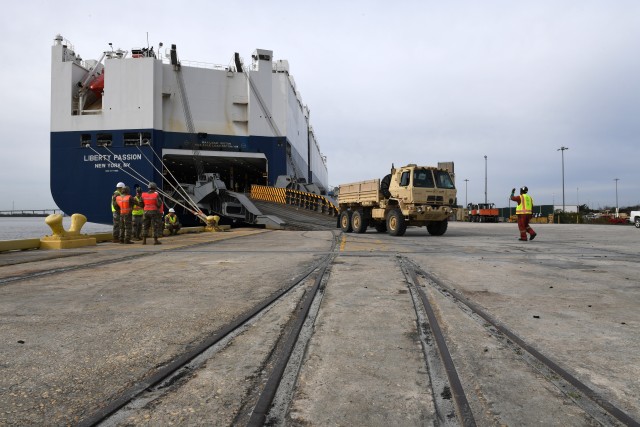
(152, 185)
(171, 210)
(524, 190)
(120, 185)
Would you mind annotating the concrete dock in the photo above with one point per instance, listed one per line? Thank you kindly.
(79, 326)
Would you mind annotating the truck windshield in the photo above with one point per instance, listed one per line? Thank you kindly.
(422, 178)
(443, 180)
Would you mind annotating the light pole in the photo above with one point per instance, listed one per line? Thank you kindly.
(485, 180)
(616, 180)
(465, 193)
(562, 149)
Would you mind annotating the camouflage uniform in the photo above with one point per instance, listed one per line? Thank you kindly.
(125, 217)
(115, 209)
(137, 215)
(152, 218)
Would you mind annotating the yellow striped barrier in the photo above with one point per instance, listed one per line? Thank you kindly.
(285, 196)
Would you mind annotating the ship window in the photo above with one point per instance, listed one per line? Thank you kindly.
(443, 179)
(136, 138)
(404, 179)
(85, 140)
(423, 178)
(131, 139)
(104, 139)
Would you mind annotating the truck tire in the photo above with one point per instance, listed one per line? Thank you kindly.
(345, 221)
(384, 186)
(396, 225)
(359, 223)
(637, 222)
(437, 228)
(381, 227)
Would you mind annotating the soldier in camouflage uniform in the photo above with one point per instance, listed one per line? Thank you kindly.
(125, 203)
(115, 210)
(137, 212)
(152, 216)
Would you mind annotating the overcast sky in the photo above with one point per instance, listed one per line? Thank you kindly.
(386, 82)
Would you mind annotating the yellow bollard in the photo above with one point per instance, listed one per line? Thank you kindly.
(61, 239)
(212, 223)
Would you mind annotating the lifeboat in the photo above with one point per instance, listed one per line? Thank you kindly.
(97, 85)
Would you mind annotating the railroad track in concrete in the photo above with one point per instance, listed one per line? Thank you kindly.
(596, 406)
(153, 386)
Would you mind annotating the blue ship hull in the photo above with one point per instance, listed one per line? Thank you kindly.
(83, 178)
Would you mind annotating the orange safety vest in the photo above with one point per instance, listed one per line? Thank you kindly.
(525, 206)
(150, 201)
(125, 204)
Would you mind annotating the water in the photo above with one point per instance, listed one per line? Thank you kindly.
(35, 227)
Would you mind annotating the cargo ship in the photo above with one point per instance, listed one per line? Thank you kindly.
(204, 133)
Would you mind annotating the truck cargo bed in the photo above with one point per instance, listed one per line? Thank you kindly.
(363, 192)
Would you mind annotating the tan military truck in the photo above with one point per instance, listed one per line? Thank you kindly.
(409, 196)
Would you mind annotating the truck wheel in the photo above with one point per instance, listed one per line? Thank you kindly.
(396, 225)
(359, 223)
(381, 227)
(637, 223)
(345, 221)
(437, 228)
(384, 186)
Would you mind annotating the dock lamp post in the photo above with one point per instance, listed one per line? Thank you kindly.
(616, 180)
(562, 149)
(485, 180)
(465, 193)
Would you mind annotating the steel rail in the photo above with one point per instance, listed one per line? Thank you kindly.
(600, 401)
(261, 409)
(263, 405)
(179, 362)
(464, 413)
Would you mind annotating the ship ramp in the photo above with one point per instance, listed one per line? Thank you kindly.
(298, 209)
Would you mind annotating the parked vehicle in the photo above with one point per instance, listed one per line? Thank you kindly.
(483, 212)
(634, 217)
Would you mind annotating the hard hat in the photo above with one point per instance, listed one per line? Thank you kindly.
(171, 210)
(152, 185)
(523, 190)
(120, 185)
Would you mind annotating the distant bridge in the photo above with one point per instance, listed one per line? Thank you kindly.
(30, 212)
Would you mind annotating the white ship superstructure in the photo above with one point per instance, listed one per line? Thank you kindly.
(135, 117)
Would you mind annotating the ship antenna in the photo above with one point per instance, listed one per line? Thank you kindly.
(147, 39)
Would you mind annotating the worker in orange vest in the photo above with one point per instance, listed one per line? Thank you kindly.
(524, 212)
(125, 203)
(152, 217)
